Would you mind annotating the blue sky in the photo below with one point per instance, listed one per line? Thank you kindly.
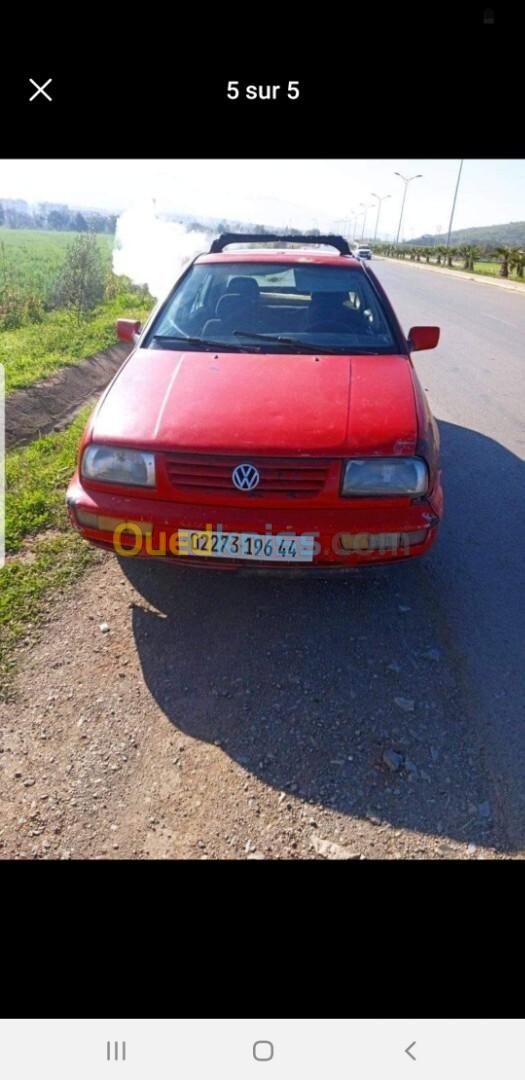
(302, 193)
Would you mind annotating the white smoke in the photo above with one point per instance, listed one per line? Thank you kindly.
(152, 251)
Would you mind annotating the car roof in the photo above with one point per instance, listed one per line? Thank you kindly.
(281, 255)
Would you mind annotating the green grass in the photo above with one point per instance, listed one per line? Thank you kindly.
(36, 256)
(34, 351)
(36, 477)
(490, 269)
(36, 481)
(45, 555)
(493, 269)
(32, 261)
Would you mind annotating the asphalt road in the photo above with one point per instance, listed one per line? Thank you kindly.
(476, 385)
(379, 715)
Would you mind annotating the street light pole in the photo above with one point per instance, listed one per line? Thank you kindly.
(379, 201)
(366, 209)
(406, 180)
(364, 219)
(454, 203)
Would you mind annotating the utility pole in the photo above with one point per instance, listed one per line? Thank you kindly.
(454, 203)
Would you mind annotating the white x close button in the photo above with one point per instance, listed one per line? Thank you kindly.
(40, 90)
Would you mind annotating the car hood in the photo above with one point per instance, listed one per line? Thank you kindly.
(276, 404)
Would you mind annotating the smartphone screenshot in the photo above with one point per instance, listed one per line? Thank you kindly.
(261, 481)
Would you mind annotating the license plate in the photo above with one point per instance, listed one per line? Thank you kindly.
(259, 546)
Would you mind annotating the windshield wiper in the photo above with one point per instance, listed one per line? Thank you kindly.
(280, 340)
(307, 345)
(230, 346)
(227, 346)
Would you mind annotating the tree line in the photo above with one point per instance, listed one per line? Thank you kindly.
(510, 258)
(60, 220)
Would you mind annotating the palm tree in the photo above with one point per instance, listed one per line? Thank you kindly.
(505, 253)
(517, 261)
(474, 253)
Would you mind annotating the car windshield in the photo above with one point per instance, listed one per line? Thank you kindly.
(273, 307)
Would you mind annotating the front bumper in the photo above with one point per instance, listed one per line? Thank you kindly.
(161, 521)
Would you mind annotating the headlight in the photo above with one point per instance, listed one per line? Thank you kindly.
(385, 476)
(118, 466)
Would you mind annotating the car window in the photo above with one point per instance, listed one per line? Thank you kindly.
(326, 307)
(284, 277)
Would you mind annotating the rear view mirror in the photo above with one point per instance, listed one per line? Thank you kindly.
(127, 329)
(423, 337)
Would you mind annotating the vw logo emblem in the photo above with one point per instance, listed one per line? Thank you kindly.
(245, 477)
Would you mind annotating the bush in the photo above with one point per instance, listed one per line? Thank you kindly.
(12, 319)
(34, 309)
(82, 283)
(119, 285)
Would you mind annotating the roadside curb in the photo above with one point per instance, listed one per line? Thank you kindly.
(479, 279)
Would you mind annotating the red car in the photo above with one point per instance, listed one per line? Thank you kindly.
(269, 413)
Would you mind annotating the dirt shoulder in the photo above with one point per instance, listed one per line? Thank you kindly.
(51, 404)
(161, 714)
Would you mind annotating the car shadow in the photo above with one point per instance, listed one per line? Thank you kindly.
(297, 679)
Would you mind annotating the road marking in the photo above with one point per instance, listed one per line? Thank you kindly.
(504, 321)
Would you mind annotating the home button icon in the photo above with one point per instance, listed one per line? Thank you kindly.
(263, 1050)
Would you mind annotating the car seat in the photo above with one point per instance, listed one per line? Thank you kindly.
(233, 312)
(331, 309)
(246, 287)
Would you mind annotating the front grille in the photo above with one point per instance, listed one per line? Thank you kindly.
(278, 476)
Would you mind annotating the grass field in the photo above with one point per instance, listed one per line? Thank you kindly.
(492, 269)
(33, 261)
(36, 476)
(43, 553)
(36, 256)
(36, 350)
(36, 479)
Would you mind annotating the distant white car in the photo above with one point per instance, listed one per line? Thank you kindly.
(363, 253)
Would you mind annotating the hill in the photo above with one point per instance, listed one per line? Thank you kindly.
(512, 233)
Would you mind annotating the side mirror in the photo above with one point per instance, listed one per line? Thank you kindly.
(127, 328)
(423, 337)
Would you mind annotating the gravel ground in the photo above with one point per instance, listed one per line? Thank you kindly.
(376, 716)
(183, 714)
